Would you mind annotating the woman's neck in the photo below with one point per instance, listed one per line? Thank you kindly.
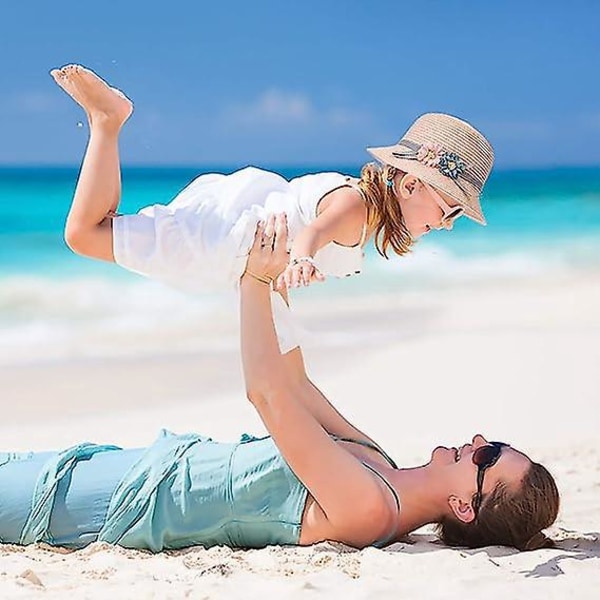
(422, 500)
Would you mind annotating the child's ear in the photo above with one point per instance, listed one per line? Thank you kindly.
(407, 186)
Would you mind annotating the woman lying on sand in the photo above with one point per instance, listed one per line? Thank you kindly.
(315, 477)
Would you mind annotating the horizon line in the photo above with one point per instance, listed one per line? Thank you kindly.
(323, 167)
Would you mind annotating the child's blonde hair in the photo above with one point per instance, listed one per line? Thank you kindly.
(384, 215)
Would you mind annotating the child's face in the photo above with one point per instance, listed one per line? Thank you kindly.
(425, 208)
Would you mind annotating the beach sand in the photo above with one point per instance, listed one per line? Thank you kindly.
(516, 361)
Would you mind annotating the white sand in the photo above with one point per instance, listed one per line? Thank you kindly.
(519, 362)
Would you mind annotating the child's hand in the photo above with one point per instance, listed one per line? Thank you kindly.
(300, 271)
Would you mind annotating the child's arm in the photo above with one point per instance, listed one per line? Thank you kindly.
(341, 218)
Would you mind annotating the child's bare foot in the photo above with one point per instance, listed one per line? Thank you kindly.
(103, 104)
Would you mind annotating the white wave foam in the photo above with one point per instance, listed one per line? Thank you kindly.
(436, 264)
(45, 319)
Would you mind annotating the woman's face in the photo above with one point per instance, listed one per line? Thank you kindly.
(459, 473)
(420, 210)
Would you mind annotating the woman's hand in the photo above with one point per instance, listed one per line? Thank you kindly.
(268, 256)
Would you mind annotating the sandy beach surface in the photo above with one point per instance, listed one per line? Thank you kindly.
(516, 361)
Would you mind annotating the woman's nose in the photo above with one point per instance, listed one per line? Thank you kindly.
(479, 440)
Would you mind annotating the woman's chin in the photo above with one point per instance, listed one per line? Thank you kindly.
(443, 454)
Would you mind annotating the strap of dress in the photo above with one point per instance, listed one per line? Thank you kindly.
(353, 183)
(388, 538)
(367, 444)
(363, 235)
(387, 483)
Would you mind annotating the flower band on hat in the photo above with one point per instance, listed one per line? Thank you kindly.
(447, 163)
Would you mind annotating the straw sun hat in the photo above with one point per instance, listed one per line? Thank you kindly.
(446, 153)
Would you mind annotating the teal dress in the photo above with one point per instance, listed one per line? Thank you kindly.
(183, 490)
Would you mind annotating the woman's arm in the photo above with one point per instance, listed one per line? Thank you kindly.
(331, 474)
(317, 403)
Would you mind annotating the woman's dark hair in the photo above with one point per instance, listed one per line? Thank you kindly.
(509, 518)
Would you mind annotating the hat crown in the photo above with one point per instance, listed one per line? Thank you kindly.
(456, 136)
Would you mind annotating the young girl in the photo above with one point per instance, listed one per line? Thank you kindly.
(201, 240)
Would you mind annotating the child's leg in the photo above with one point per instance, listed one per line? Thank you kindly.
(98, 191)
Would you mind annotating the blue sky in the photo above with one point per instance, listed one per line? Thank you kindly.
(304, 82)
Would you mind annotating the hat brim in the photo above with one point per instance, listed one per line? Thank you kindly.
(469, 201)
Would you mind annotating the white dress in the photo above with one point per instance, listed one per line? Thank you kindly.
(200, 241)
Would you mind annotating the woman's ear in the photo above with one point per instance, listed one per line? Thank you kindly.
(407, 186)
(463, 510)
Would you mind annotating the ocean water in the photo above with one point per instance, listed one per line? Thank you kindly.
(56, 305)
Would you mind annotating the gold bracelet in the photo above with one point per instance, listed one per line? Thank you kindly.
(262, 278)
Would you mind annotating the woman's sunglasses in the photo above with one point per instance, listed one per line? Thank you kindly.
(449, 213)
(484, 457)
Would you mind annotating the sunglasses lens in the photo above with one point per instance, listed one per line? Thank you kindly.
(486, 455)
(455, 213)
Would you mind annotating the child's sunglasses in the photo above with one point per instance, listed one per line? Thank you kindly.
(449, 213)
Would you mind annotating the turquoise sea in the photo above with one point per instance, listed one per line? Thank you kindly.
(541, 223)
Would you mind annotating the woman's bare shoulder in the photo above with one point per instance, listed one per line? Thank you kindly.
(372, 522)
